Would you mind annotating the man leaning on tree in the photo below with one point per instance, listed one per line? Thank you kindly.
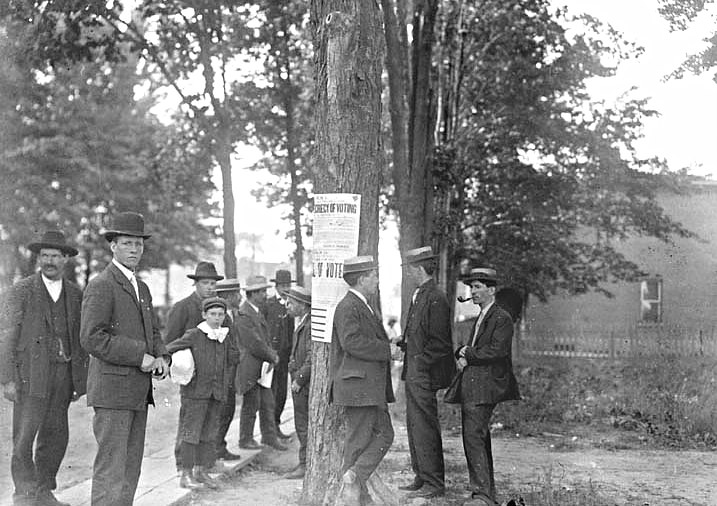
(42, 369)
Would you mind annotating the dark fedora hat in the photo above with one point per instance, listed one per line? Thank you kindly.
(282, 276)
(228, 285)
(413, 256)
(359, 264)
(300, 294)
(127, 223)
(213, 302)
(480, 274)
(52, 239)
(205, 270)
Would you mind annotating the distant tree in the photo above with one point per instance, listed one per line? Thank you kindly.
(681, 14)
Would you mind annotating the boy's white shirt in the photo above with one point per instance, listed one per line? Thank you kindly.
(219, 334)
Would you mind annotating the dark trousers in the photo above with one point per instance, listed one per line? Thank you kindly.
(120, 447)
(369, 434)
(278, 387)
(43, 419)
(260, 399)
(198, 424)
(226, 415)
(476, 444)
(301, 420)
(424, 434)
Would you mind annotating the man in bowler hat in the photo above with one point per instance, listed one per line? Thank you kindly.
(427, 367)
(487, 380)
(121, 334)
(281, 328)
(360, 378)
(42, 368)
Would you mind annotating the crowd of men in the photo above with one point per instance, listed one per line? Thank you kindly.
(58, 343)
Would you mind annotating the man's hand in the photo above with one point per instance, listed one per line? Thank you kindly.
(147, 363)
(462, 362)
(160, 368)
(9, 391)
(276, 358)
(295, 387)
(75, 396)
(462, 352)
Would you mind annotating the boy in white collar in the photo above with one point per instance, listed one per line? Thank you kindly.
(214, 350)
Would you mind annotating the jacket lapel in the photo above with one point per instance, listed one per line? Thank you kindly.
(42, 299)
(371, 316)
(484, 324)
(124, 283)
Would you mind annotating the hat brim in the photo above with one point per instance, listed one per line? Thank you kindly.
(256, 288)
(228, 288)
(111, 234)
(469, 280)
(35, 247)
(283, 281)
(297, 299)
(202, 276)
(417, 260)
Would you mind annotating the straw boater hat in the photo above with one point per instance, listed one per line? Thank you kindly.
(413, 256)
(480, 274)
(300, 294)
(254, 283)
(211, 302)
(205, 270)
(127, 223)
(359, 264)
(52, 239)
(282, 276)
(228, 285)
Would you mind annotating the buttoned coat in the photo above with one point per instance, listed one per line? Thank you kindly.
(212, 364)
(117, 330)
(25, 332)
(280, 325)
(360, 356)
(427, 339)
(184, 315)
(300, 362)
(488, 378)
(256, 346)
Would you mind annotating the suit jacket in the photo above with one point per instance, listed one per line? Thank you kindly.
(117, 330)
(26, 329)
(184, 315)
(256, 343)
(281, 327)
(300, 363)
(360, 357)
(488, 378)
(427, 339)
(212, 364)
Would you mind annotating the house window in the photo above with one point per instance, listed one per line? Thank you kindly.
(651, 300)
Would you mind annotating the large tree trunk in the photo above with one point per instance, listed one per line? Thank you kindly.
(223, 157)
(348, 57)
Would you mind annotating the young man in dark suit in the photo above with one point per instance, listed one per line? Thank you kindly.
(487, 380)
(428, 366)
(42, 369)
(121, 334)
(360, 378)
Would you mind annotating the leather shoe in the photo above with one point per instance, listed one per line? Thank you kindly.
(201, 475)
(277, 445)
(227, 455)
(428, 492)
(297, 474)
(250, 445)
(188, 481)
(45, 497)
(416, 484)
(350, 490)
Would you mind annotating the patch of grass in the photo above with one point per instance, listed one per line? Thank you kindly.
(550, 491)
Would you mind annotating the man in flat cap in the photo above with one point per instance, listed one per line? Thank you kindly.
(427, 367)
(360, 378)
(42, 368)
(487, 380)
(187, 314)
(121, 334)
(281, 328)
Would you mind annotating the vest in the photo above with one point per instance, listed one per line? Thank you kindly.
(58, 345)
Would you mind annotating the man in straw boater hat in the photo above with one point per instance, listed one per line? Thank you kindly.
(186, 314)
(428, 366)
(121, 334)
(42, 368)
(256, 343)
(360, 378)
(299, 305)
(487, 380)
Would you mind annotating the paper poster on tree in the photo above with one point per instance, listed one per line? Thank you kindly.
(336, 234)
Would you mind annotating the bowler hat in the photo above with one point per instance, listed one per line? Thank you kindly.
(205, 270)
(359, 264)
(213, 302)
(127, 223)
(282, 276)
(228, 285)
(413, 256)
(254, 283)
(300, 294)
(480, 274)
(53, 239)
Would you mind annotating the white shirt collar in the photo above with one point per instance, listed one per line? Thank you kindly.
(360, 296)
(214, 334)
(124, 270)
(253, 306)
(54, 287)
(51, 282)
(485, 309)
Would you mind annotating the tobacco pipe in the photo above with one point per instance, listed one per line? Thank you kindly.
(463, 299)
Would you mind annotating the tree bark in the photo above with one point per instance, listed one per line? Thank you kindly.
(223, 157)
(348, 61)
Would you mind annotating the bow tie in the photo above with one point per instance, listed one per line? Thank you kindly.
(214, 334)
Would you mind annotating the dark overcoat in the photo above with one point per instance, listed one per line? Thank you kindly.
(184, 315)
(488, 378)
(360, 356)
(117, 330)
(300, 363)
(256, 346)
(26, 329)
(281, 326)
(428, 340)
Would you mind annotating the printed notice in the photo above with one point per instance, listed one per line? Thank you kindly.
(336, 234)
